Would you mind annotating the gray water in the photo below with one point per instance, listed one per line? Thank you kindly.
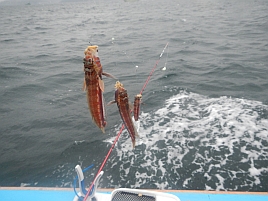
(204, 120)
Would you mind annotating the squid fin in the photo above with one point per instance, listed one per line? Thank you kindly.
(109, 75)
(111, 102)
(101, 84)
(103, 129)
(133, 144)
(84, 85)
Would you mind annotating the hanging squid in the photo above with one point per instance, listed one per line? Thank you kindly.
(94, 86)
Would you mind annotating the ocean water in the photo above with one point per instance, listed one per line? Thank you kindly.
(204, 120)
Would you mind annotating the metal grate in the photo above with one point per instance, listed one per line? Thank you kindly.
(126, 196)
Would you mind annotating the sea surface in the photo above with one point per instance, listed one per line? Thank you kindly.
(204, 112)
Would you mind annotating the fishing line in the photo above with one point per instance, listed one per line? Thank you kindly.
(125, 53)
(116, 46)
(136, 66)
(151, 73)
(123, 126)
(165, 66)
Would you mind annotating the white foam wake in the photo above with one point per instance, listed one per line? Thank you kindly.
(196, 142)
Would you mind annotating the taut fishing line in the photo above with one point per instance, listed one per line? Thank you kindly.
(165, 66)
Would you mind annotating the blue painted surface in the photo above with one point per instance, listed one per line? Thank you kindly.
(33, 195)
(220, 197)
(65, 195)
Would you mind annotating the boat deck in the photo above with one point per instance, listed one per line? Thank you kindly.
(66, 194)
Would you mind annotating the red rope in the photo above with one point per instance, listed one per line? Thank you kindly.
(104, 161)
(122, 127)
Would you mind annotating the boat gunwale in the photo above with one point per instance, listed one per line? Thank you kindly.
(109, 190)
